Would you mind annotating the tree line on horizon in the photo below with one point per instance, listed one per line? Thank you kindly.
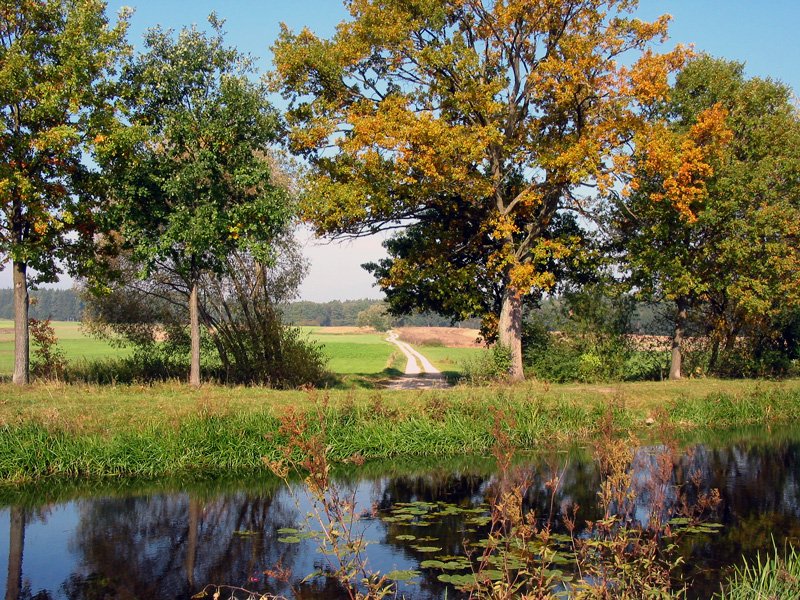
(517, 151)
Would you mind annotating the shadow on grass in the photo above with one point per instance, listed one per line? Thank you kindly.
(369, 381)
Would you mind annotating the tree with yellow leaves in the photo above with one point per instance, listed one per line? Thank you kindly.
(710, 220)
(57, 105)
(492, 113)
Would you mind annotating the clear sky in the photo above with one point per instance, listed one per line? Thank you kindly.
(763, 34)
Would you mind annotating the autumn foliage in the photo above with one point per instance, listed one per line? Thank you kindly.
(491, 115)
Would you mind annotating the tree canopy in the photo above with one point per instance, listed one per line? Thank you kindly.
(492, 111)
(57, 104)
(198, 185)
(709, 221)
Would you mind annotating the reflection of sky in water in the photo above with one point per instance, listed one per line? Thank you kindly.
(382, 557)
(140, 544)
(48, 558)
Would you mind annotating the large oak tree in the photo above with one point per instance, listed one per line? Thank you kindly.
(57, 94)
(493, 111)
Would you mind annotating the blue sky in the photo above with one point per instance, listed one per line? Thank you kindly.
(761, 34)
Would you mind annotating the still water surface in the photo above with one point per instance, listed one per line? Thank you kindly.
(169, 539)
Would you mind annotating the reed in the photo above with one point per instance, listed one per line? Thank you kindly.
(772, 577)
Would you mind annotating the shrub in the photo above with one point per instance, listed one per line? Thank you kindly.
(48, 360)
(492, 365)
(594, 343)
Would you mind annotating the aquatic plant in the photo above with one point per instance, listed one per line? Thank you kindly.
(772, 577)
(333, 521)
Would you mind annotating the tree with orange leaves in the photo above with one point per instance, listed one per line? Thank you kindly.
(710, 220)
(495, 111)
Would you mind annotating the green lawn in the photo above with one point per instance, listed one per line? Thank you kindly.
(356, 353)
(75, 344)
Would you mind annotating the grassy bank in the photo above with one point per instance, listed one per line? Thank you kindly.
(58, 430)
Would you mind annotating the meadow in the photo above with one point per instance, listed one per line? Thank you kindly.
(57, 429)
(71, 339)
(360, 357)
(361, 354)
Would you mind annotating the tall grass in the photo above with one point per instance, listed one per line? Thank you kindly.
(101, 432)
(772, 577)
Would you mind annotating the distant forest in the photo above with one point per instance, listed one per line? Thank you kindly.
(58, 305)
(345, 314)
(65, 305)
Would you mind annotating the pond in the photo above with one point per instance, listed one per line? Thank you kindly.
(170, 539)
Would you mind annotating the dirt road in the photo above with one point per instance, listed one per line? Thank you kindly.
(420, 373)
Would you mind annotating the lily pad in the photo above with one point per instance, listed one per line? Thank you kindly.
(402, 575)
(427, 548)
(457, 580)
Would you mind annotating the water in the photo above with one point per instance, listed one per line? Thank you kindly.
(170, 539)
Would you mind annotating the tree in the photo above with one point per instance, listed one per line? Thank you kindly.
(57, 63)
(431, 269)
(492, 111)
(376, 316)
(709, 222)
(199, 185)
(245, 339)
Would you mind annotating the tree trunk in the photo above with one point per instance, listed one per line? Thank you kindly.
(21, 348)
(194, 328)
(677, 340)
(16, 545)
(510, 331)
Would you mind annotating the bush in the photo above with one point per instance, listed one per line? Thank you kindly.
(491, 366)
(48, 360)
(243, 337)
(593, 345)
(594, 342)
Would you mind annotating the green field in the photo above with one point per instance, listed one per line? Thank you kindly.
(75, 344)
(370, 355)
(359, 354)
(449, 360)
(352, 355)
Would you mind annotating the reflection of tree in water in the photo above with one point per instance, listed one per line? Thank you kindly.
(758, 484)
(15, 549)
(760, 490)
(20, 517)
(170, 546)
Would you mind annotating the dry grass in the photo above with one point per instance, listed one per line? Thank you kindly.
(452, 337)
(342, 330)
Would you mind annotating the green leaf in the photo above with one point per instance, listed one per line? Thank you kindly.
(403, 575)
(284, 530)
(457, 580)
(427, 548)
